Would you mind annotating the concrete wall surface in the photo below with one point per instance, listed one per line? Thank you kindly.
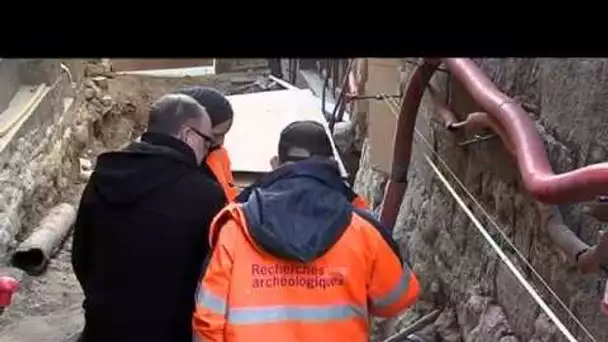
(483, 300)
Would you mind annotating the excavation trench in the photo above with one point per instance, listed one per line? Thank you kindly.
(107, 114)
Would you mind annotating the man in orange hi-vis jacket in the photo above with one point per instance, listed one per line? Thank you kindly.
(217, 163)
(297, 261)
(355, 199)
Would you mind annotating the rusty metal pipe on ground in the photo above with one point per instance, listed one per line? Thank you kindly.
(34, 254)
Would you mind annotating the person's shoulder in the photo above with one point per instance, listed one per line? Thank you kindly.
(196, 182)
(368, 217)
(373, 223)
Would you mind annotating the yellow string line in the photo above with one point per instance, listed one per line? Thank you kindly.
(501, 254)
(393, 108)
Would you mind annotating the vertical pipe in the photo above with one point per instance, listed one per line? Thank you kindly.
(402, 146)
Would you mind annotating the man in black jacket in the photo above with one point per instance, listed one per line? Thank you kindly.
(141, 233)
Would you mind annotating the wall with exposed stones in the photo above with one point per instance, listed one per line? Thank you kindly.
(483, 301)
(26, 154)
(40, 163)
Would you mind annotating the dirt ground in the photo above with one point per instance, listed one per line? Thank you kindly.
(108, 114)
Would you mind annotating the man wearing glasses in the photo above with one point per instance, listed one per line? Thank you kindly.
(142, 229)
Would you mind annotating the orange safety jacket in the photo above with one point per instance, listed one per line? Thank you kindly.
(219, 163)
(297, 262)
(359, 202)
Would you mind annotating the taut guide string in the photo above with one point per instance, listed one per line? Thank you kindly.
(393, 108)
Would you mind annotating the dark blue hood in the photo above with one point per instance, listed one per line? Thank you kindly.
(299, 211)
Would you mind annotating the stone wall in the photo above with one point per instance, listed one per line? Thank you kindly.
(28, 159)
(459, 270)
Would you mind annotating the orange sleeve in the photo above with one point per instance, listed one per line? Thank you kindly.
(219, 162)
(393, 286)
(231, 189)
(209, 317)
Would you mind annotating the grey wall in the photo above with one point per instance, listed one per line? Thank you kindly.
(457, 266)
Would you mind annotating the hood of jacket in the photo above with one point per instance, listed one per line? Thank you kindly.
(124, 177)
(299, 211)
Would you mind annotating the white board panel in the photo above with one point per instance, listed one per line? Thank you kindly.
(259, 119)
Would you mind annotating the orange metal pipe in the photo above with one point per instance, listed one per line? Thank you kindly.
(480, 120)
(588, 259)
(404, 135)
(538, 177)
(445, 113)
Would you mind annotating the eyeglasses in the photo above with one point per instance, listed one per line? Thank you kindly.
(207, 139)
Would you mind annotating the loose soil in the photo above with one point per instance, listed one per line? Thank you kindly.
(105, 117)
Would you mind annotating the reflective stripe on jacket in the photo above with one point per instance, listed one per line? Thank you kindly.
(219, 163)
(247, 293)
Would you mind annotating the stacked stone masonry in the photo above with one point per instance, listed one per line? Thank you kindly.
(483, 300)
(32, 159)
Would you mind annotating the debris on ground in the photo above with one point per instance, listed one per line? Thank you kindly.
(109, 113)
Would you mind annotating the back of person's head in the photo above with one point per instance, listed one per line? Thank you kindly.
(301, 140)
(170, 113)
(217, 105)
(182, 117)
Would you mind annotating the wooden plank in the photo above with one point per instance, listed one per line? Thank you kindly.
(259, 119)
(123, 64)
(383, 77)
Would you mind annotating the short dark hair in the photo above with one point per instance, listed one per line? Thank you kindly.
(217, 105)
(308, 136)
(170, 113)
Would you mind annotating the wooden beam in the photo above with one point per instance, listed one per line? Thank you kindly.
(383, 77)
